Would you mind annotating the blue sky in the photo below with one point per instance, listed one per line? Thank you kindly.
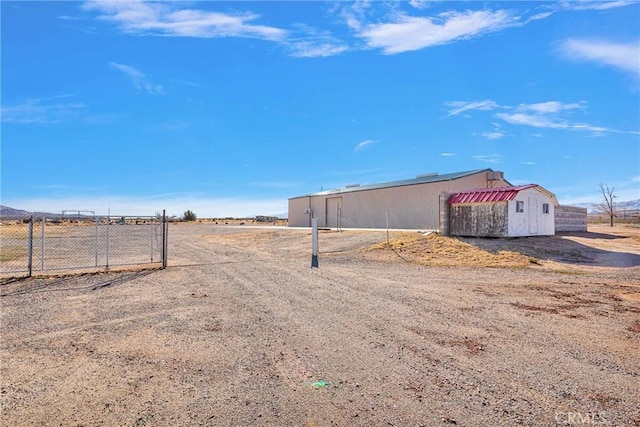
(230, 108)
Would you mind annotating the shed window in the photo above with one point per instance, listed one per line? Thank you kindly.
(545, 208)
(519, 206)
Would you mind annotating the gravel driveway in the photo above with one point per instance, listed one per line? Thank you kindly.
(239, 330)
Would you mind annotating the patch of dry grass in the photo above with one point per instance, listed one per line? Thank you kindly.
(437, 250)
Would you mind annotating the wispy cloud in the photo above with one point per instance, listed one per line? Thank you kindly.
(595, 4)
(159, 18)
(462, 106)
(491, 158)
(493, 135)
(363, 144)
(447, 154)
(310, 42)
(171, 19)
(534, 120)
(550, 115)
(314, 49)
(542, 115)
(624, 56)
(551, 107)
(406, 33)
(420, 4)
(139, 79)
(41, 111)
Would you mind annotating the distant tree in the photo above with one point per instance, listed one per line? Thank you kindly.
(189, 216)
(607, 206)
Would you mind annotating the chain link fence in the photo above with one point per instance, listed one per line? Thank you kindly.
(40, 245)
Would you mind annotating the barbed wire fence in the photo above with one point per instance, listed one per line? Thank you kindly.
(31, 245)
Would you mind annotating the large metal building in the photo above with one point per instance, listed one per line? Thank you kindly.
(418, 203)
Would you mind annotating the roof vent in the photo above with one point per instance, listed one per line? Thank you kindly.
(427, 175)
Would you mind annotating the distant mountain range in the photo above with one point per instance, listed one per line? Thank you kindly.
(7, 212)
(594, 208)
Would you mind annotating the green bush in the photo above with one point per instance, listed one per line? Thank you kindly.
(189, 216)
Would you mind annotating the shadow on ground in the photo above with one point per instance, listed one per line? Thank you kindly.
(85, 281)
(560, 249)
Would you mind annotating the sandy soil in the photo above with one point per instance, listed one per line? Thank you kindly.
(239, 330)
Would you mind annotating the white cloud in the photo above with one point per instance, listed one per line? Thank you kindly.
(493, 135)
(310, 49)
(407, 33)
(462, 106)
(169, 19)
(539, 16)
(161, 18)
(41, 111)
(550, 107)
(542, 115)
(535, 120)
(554, 122)
(492, 158)
(624, 56)
(527, 163)
(139, 79)
(363, 144)
(596, 4)
(447, 154)
(419, 4)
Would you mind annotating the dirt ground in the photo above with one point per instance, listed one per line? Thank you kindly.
(425, 331)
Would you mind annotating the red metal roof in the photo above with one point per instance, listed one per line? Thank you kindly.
(497, 194)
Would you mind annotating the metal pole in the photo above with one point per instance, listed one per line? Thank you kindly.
(44, 221)
(30, 243)
(164, 238)
(166, 245)
(95, 218)
(153, 235)
(314, 242)
(107, 246)
(386, 214)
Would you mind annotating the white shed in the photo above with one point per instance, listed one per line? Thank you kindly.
(526, 210)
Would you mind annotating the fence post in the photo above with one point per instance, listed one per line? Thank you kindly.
(164, 238)
(96, 239)
(44, 222)
(314, 243)
(151, 238)
(30, 245)
(386, 215)
(107, 237)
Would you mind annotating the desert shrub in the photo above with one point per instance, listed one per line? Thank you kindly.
(189, 216)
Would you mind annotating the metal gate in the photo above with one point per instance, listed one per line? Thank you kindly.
(38, 246)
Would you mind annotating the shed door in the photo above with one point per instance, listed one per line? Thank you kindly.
(533, 212)
(334, 212)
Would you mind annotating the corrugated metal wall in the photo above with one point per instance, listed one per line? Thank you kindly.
(406, 207)
(570, 218)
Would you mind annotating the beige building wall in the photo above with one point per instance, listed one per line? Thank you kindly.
(414, 206)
